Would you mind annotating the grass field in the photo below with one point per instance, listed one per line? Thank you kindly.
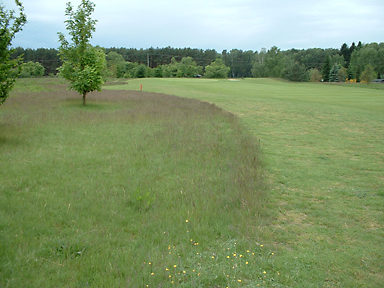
(140, 189)
(323, 147)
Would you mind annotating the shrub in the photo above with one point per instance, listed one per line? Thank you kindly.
(315, 75)
(31, 69)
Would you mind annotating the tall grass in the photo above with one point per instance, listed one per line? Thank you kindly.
(133, 189)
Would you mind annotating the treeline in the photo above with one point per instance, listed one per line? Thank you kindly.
(315, 64)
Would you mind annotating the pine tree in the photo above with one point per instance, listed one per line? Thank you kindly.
(326, 69)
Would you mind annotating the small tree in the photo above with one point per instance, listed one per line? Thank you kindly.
(342, 74)
(83, 64)
(333, 74)
(9, 69)
(315, 75)
(368, 74)
(216, 69)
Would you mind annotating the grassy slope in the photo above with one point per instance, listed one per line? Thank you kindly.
(324, 151)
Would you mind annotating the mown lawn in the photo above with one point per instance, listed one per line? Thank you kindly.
(323, 147)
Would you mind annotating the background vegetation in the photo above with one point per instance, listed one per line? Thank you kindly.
(293, 64)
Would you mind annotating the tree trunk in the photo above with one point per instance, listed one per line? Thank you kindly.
(84, 93)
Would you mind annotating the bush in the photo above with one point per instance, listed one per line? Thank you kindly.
(342, 75)
(315, 75)
(31, 69)
(141, 71)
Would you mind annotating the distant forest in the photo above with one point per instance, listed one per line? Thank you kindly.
(293, 64)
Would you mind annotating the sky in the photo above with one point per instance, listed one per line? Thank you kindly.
(210, 24)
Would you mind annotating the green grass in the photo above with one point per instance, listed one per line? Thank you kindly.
(323, 147)
(134, 189)
(100, 195)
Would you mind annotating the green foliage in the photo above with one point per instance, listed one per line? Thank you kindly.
(187, 67)
(368, 74)
(315, 75)
(270, 64)
(326, 69)
(31, 69)
(48, 58)
(116, 64)
(337, 59)
(10, 24)
(333, 73)
(295, 72)
(239, 61)
(141, 71)
(159, 73)
(275, 62)
(142, 200)
(83, 65)
(372, 54)
(342, 74)
(216, 69)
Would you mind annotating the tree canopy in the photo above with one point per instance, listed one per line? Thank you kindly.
(10, 24)
(217, 69)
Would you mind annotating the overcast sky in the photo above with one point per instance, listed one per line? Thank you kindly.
(211, 24)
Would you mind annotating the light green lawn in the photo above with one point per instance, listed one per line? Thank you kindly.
(323, 147)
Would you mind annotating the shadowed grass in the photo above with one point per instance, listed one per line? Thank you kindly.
(133, 189)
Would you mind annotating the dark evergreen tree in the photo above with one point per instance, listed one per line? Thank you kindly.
(346, 53)
(326, 69)
(296, 72)
(334, 73)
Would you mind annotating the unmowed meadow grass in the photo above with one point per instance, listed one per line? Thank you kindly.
(133, 190)
(323, 150)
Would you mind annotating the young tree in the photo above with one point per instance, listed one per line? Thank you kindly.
(342, 74)
(368, 74)
(83, 64)
(9, 69)
(333, 74)
(315, 75)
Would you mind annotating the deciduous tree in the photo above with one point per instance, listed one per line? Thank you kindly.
(83, 64)
(10, 24)
(217, 69)
(368, 74)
